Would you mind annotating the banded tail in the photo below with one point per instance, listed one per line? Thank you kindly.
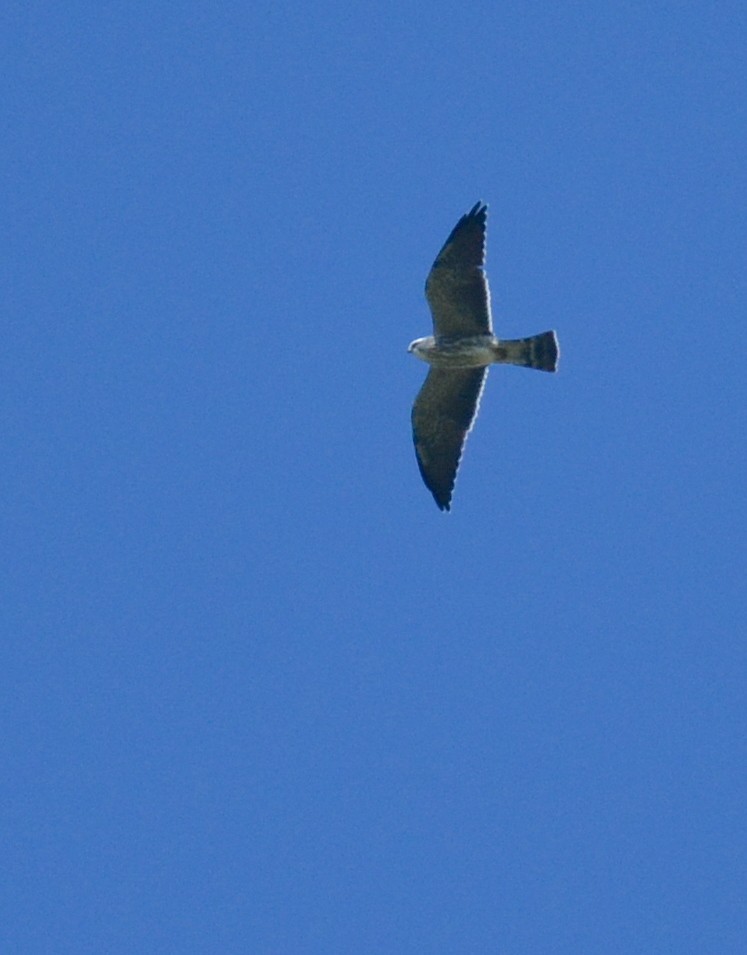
(540, 351)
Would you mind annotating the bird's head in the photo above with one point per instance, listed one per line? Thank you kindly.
(420, 347)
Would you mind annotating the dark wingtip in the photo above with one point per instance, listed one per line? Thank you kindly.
(478, 215)
(441, 495)
(478, 211)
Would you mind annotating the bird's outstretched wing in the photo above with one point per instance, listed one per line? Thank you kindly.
(457, 287)
(442, 416)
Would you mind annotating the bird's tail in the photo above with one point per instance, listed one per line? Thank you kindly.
(540, 351)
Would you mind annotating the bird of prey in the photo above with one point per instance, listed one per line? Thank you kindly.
(459, 352)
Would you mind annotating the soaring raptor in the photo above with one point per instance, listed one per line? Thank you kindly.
(459, 352)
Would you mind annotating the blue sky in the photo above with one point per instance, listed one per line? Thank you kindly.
(259, 694)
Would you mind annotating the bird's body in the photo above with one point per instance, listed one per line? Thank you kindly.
(478, 351)
(459, 352)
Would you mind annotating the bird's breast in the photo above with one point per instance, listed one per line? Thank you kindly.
(473, 352)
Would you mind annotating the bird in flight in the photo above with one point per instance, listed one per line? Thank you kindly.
(459, 352)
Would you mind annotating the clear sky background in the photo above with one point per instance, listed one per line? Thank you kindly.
(258, 693)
